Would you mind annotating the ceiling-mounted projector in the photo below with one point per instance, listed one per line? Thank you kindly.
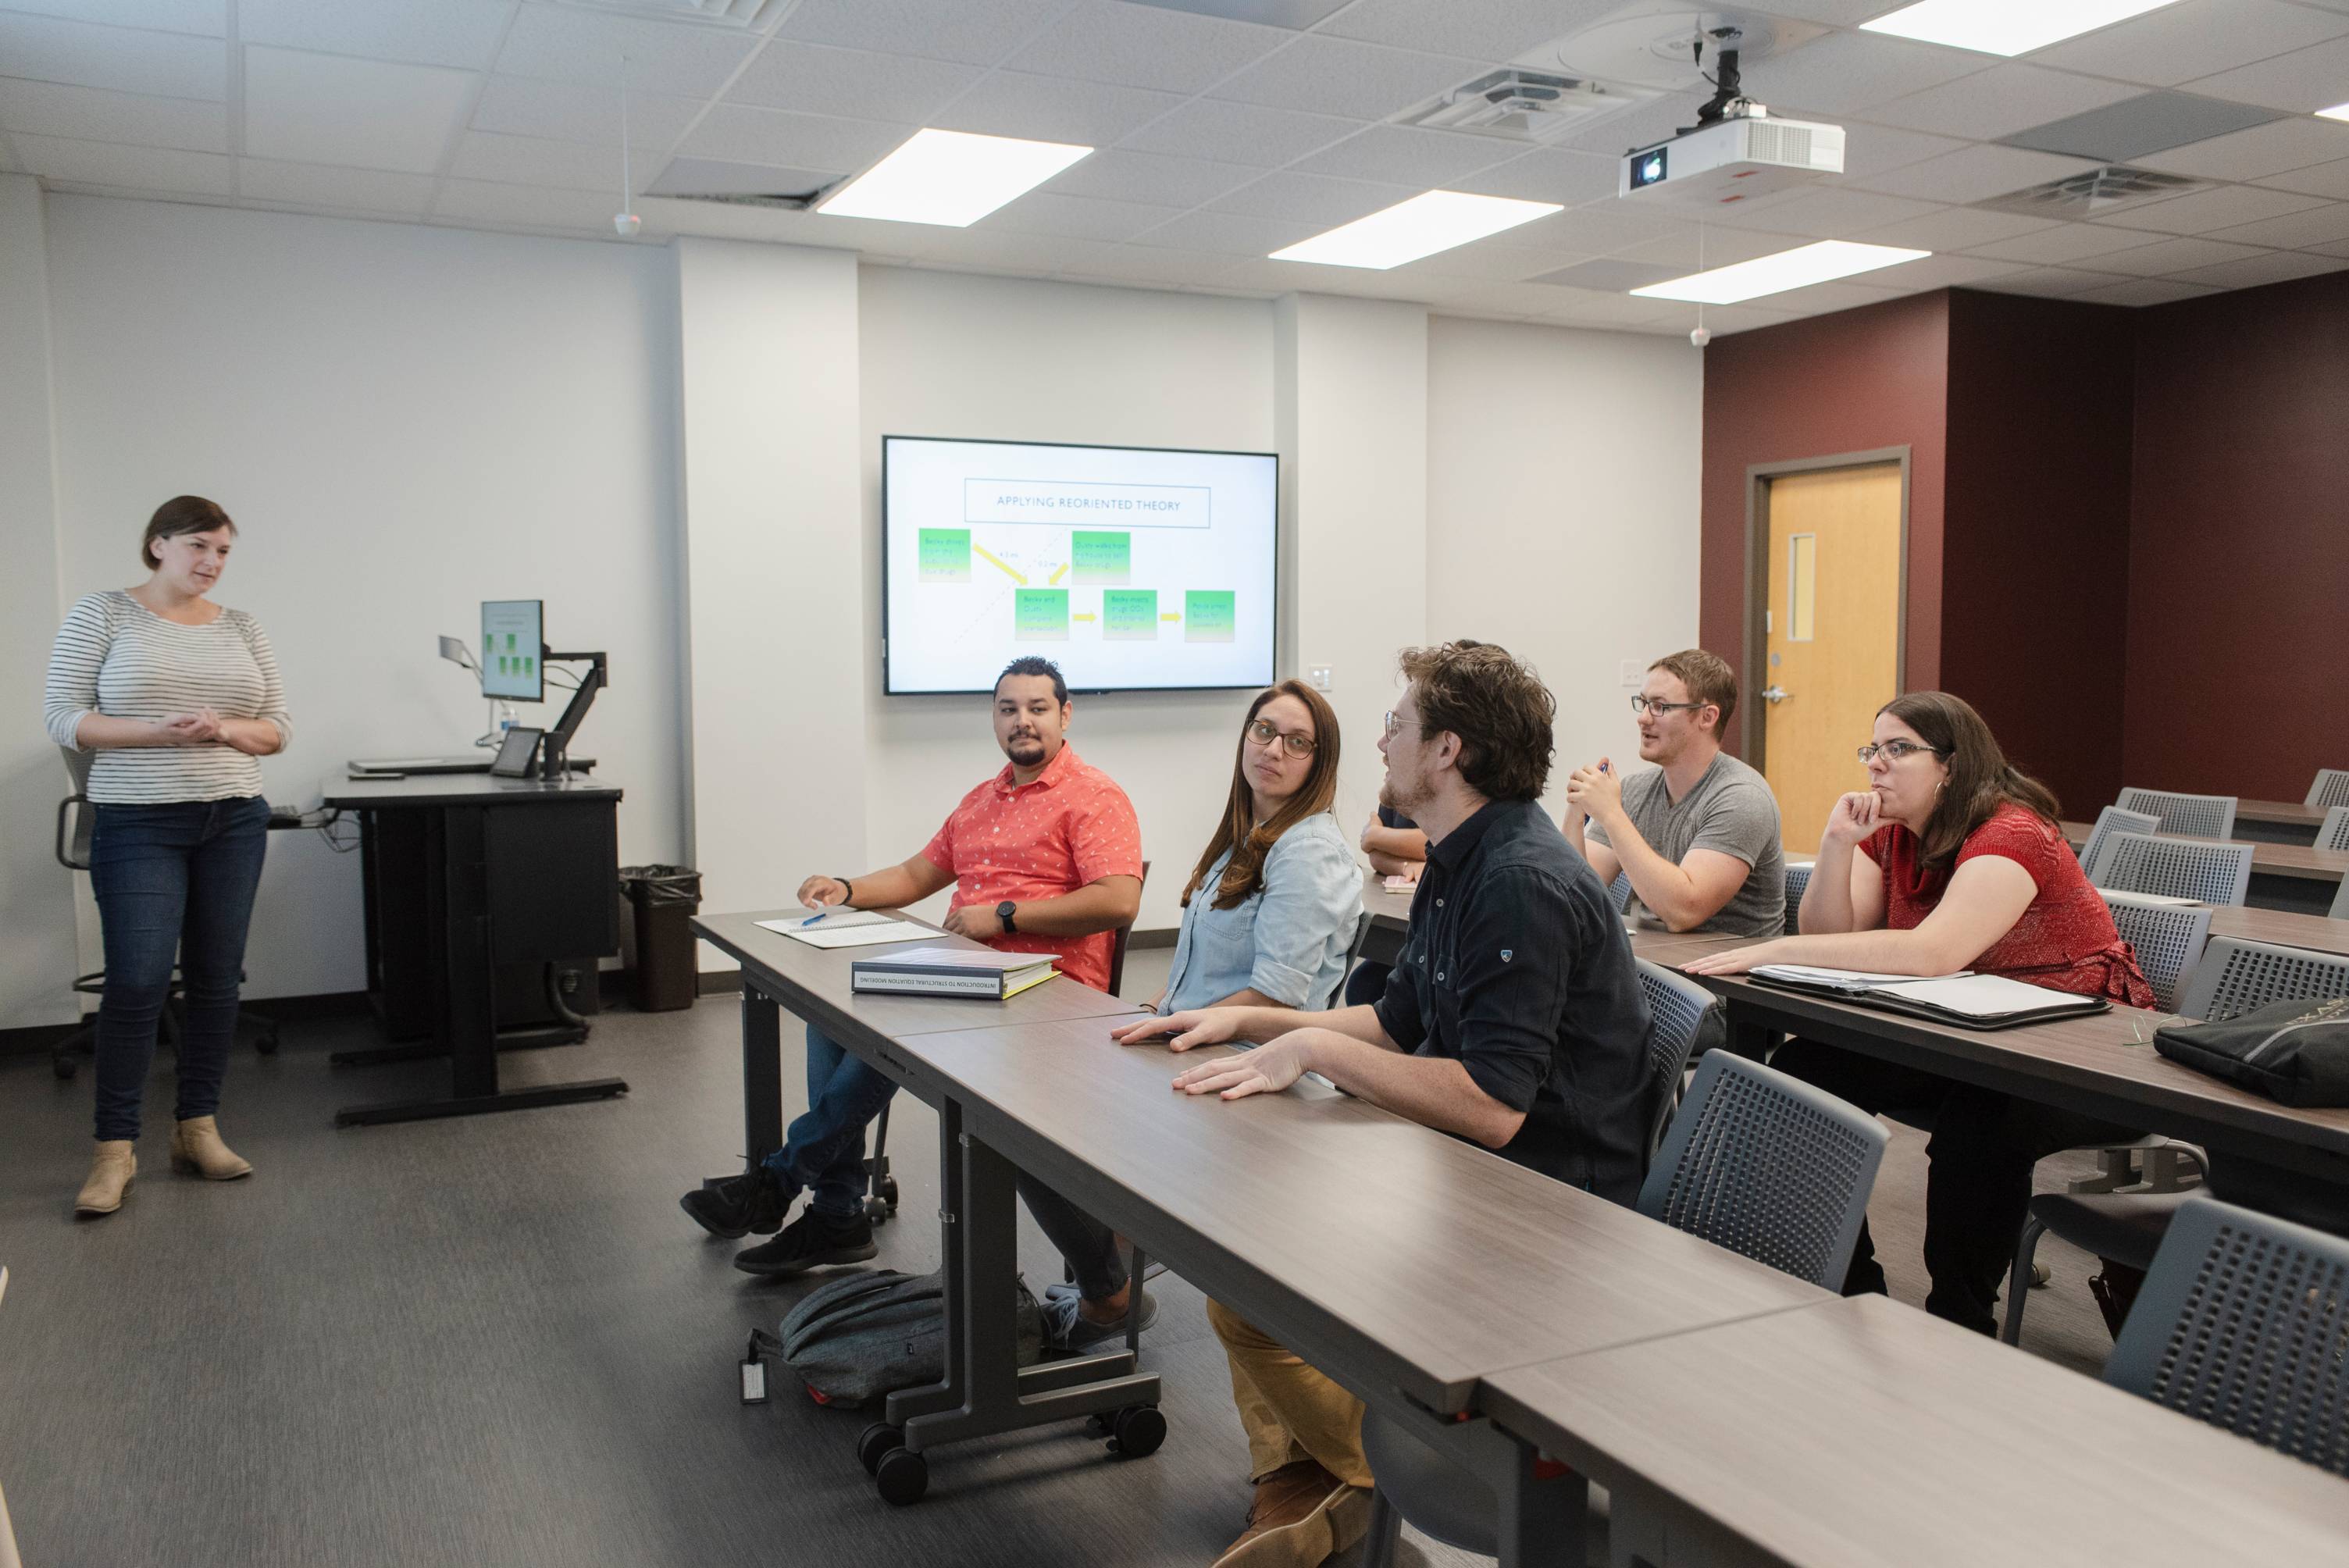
(1732, 160)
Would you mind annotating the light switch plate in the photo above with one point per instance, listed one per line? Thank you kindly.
(1627, 673)
(1318, 677)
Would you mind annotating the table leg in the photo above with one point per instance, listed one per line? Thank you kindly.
(1747, 1038)
(763, 1074)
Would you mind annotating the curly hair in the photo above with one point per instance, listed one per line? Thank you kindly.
(1498, 707)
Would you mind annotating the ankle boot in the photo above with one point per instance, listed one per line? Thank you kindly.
(111, 1176)
(196, 1148)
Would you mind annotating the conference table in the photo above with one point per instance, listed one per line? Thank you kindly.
(2297, 877)
(2278, 821)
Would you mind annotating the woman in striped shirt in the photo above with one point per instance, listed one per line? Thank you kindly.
(176, 698)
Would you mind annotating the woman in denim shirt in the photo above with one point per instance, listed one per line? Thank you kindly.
(1270, 910)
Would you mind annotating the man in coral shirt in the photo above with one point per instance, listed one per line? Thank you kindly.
(1045, 856)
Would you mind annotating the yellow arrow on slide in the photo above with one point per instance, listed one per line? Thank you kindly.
(1083, 617)
(1170, 616)
(1015, 576)
(1056, 575)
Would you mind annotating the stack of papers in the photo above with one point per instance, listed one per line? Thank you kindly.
(847, 928)
(1968, 1000)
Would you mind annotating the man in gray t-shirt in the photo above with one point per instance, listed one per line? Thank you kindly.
(1698, 834)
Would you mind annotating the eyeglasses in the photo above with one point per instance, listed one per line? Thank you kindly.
(1898, 751)
(1397, 724)
(1297, 743)
(1649, 705)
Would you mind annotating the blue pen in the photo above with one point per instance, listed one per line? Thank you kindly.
(819, 915)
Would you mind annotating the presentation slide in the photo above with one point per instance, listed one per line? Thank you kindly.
(1129, 568)
(510, 646)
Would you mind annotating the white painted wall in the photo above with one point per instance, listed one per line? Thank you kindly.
(1562, 479)
(403, 421)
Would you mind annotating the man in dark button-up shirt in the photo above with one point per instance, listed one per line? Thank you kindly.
(1514, 1016)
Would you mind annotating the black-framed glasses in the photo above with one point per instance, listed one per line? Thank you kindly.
(1297, 743)
(1641, 704)
(1898, 751)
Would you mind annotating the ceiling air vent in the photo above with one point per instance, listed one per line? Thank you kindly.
(1522, 104)
(2094, 193)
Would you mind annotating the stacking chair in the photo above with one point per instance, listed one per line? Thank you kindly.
(2190, 815)
(2174, 868)
(2241, 1325)
(2335, 834)
(1620, 889)
(2110, 820)
(1689, 1020)
(2340, 909)
(1799, 877)
(1755, 1162)
(2331, 788)
(2233, 977)
(2169, 939)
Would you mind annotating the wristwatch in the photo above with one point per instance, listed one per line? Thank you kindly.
(1004, 912)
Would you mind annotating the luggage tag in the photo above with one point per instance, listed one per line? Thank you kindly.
(754, 1375)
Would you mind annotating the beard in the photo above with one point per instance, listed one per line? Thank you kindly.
(1027, 751)
(1396, 795)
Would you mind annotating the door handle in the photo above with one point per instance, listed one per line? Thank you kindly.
(1775, 695)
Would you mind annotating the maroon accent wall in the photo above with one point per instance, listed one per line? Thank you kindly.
(2036, 532)
(1855, 381)
(2239, 564)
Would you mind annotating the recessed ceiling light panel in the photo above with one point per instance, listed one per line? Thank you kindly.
(2338, 112)
(950, 178)
(1822, 263)
(2006, 26)
(1431, 222)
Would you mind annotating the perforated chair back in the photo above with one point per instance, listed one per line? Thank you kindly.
(2110, 820)
(1799, 877)
(1683, 1014)
(2168, 937)
(2236, 976)
(2340, 909)
(2176, 868)
(2331, 788)
(2334, 832)
(2243, 1322)
(1620, 889)
(2194, 816)
(1765, 1165)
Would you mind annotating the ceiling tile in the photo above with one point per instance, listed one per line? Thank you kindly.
(539, 160)
(1240, 133)
(1340, 77)
(715, 176)
(1873, 149)
(208, 17)
(2220, 206)
(462, 33)
(1974, 174)
(8, 164)
(980, 32)
(523, 207)
(1820, 297)
(1118, 175)
(563, 43)
(1233, 233)
(53, 108)
(2323, 180)
(1643, 124)
(2062, 242)
(1687, 249)
(2176, 43)
(1488, 29)
(2306, 230)
(1145, 46)
(793, 140)
(2172, 256)
(1848, 73)
(2276, 267)
(568, 111)
(1128, 265)
(1831, 213)
(2304, 80)
(2144, 292)
(2048, 282)
(1078, 217)
(359, 114)
(126, 167)
(1053, 108)
(1405, 156)
(2275, 148)
(1492, 261)
(117, 60)
(1608, 274)
(1312, 198)
(815, 79)
(344, 190)
(1943, 273)
(2134, 128)
(1994, 103)
(1512, 299)
(1547, 174)
(1953, 229)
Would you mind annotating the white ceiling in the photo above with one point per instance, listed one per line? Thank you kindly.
(1219, 140)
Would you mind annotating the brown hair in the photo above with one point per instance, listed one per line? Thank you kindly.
(1239, 832)
(1708, 678)
(1980, 777)
(1498, 707)
(180, 514)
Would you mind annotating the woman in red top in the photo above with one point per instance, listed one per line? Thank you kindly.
(1950, 859)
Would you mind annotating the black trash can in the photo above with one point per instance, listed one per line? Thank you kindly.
(664, 898)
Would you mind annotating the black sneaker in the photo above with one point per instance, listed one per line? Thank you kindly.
(747, 1202)
(809, 1242)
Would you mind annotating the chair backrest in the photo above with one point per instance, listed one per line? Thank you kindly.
(2340, 909)
(1765, 1165)
(2240, 1324)
(2110, 820)
(2169, 939)
(2236, 976)
(77, 819)
(1620, 889)
(1118, 943)
(1682, 1013)
(2334, 832)
(2176, 868)
(2195, 816)
(2331, 788)
(1799, 877)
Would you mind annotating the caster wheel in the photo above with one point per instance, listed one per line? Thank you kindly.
(266, 1045)
(875, 1441)
(1137, 1430)
(1099, 1426)
(888, 1191)
(64, 1070)
(903, 1476)
(875, 1211)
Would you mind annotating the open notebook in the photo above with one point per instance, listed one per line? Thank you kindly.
(1968, 1000)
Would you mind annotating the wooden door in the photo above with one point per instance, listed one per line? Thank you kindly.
(1831, 634)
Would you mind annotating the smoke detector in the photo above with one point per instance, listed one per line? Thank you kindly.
(2092, 193)
(1522, 104)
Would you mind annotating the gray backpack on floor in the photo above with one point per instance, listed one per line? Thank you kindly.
(873, 1331)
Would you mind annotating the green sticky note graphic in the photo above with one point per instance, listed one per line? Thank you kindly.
(528, 664)
(946, 555)
(1102, 560)
(1210, 616)
(1129, 614)
(1040, 614)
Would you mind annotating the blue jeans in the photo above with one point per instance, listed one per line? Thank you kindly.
(823, 1148)
(172, 879)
